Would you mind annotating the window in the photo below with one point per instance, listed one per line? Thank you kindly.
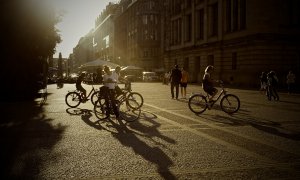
(234, 60)
(197, 64)
(146, 53)
(210, 60)
(186, 63)
(188, 3)
(235, 15)
(228, 15)
(242, 14)
(176, 31)
(199, 1)
(200, 24)
(214, 19)
(145, 19)
(188, 27)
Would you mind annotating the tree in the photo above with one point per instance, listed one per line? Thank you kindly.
(29, 38)
(60, 68)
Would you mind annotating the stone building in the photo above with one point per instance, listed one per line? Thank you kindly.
(138, 33)
(103, 34)
(83, 52)
(240, 38)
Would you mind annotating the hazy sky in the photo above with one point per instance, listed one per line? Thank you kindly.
(78, 19)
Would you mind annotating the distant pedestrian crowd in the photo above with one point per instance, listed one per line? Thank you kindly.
(269, 84)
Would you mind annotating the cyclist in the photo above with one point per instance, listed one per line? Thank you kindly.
(208, 83)
(109, 90)
(117, 76)
(79, 86)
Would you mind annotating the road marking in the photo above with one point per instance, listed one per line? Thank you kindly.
(188, 171)
(219, 141)
(223, 129)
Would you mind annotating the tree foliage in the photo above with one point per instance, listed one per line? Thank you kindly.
(29, 38)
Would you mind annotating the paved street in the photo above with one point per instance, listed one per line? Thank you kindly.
(52, 141)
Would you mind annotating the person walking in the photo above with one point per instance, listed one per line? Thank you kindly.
(290, 80)
(183, 82)
(272, 86)
(175, 79)
(263, 82)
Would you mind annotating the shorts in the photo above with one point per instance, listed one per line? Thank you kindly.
(210, 90)
(80, 88)
(183, 85)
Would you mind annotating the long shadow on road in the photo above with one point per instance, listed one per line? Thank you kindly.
(25, 132)
(261, 124)
(152, 154)
(128, 135)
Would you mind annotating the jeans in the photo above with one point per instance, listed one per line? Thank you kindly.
(176, 85)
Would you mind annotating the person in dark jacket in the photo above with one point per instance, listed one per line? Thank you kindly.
(175, 79)
(272, 86)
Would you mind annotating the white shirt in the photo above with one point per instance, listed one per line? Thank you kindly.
(111, 85)
(115, 75)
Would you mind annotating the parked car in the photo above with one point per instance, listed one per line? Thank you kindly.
(133, 78)
(150, 76)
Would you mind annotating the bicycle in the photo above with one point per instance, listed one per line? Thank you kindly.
(74, 98)
(229, 103)
(124, 107)
(127, 91)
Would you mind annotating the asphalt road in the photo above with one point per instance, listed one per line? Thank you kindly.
(51, 141)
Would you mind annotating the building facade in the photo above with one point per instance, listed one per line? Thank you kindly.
(83, 52)
(138, 31)
(241, 38)
(104, 33)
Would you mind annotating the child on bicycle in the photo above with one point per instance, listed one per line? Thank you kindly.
(79, 86)
(208, 83)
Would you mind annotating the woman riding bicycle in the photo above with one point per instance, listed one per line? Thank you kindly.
(109, 90)
(208, 83)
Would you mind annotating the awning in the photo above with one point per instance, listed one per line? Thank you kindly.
(98, 63)
(131, 68)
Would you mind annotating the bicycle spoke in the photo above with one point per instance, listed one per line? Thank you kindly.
(230, 103)
(197, 104)
(127, 112)
(72, 99)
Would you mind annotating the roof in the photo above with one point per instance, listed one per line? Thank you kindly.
(99, 62)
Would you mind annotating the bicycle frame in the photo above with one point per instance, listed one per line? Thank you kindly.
(90, 93)
(223, 92)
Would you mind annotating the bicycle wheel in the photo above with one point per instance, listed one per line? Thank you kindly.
(197, 103)
(73, 99)
(230, 103)
(127, 112)
(138, 98)
(95, 96)
(100, 109)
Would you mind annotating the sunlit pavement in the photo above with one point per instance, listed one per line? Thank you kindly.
(52, 141)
